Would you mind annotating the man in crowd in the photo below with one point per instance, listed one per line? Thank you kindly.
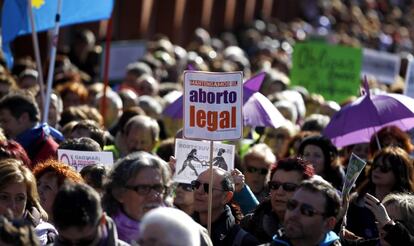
(19, 118)
(311, 215)
(224, 230)
(79, 218)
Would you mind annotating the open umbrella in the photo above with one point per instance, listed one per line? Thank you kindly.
(358, 121)
(257, 109)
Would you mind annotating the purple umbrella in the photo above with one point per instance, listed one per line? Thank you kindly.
(358, 121)
(257, 109)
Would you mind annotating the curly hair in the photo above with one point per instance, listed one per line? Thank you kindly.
(61, 170)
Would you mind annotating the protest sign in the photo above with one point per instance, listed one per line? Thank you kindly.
(192, 158)
(122, 53)
(409, 80)
(355, 166)
(332, 71)
(381, 65)
(80, 159)
(213, 105)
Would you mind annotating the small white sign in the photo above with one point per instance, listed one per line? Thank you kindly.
(213, 105)
(192, 158)
(80, 159)
(409, 80)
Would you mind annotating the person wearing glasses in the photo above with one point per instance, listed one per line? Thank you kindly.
(80, 220)
(136, 184)
(267, 218)
(224, 228)
(392, 171)
(184, 198)
(311, 215)
(257, 164)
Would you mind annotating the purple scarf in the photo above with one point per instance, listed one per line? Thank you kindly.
(128, 229)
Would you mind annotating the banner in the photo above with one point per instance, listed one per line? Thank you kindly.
(192, 158)
(15, 19)
(213, 105)
(80, 159)
(332, 71)
(382, 65)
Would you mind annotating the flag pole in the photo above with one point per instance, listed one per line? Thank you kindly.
(55, 38)
(210, 189)
(106, 67)
(36, 51)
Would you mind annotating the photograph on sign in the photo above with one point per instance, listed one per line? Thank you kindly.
(355, 167)
(80, 159)
(381, 65)
(192, 158)
(213, 105)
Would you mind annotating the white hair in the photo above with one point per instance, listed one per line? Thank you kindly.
(174, 227)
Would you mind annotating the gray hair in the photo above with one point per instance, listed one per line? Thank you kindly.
(173, 225)
(128, 168)
(405, 205)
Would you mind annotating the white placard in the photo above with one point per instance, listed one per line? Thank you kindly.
(80, 159)
(382, 65)
(409, 80)
(213, 105)
(123, 53)
(192, 158)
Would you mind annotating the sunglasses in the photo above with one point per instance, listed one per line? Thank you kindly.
(146, 189)
(383, 168)
(195, 184)
(305, 209)
(262, 171)
(274, 185)
(184, 186)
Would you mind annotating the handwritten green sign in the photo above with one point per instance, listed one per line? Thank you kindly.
(332, 71)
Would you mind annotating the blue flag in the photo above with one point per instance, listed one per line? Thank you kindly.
(16, 21)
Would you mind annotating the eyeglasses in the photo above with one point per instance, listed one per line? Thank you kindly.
(305, 209)
(143, 190)
(274, 185)
(262, 171)
(383, 168)
(195, 184)
(186, 187)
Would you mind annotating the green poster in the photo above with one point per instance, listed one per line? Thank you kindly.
(332, 71)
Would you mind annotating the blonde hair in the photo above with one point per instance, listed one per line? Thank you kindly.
(261, 151)
(13, 171)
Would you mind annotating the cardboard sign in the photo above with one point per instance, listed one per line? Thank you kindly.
(80, 159)
(122, 53)
(193, 158)
(332, 71)
(381, 65)
(213, 105)
(409, 80)
(355, 167)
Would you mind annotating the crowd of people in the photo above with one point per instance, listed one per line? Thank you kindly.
(286, 186)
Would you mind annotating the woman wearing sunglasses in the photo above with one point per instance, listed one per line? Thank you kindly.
(267, 219)
(137, 183)
(392, 171)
